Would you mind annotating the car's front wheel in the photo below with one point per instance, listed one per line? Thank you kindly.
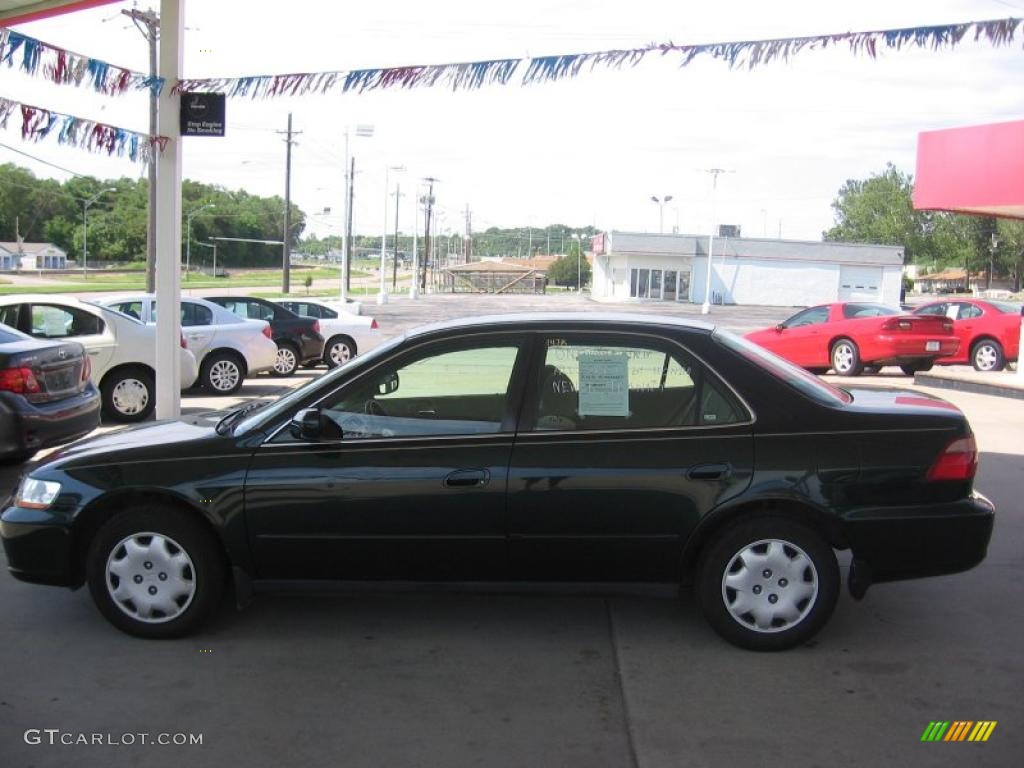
(128, 395)
(987, 355)
(155, 572)
(846, 358)
(767, 584)
(287, 359)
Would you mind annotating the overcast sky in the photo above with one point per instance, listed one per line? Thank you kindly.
(591, 150)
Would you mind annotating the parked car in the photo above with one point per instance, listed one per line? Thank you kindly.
(989, 331)
(297, 338)
(227, 348)
(347, 334)
(122, 350)
(46, 397)
(849, 336)
(562, 447)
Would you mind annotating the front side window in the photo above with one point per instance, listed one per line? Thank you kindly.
(50, 322)
(812, 316)
(443, 391)
(592, 384)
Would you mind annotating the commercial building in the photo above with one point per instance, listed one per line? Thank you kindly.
(15, 256)
(653, 267)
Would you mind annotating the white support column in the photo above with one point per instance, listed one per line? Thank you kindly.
(168, 229)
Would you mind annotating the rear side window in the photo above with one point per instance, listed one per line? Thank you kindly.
(938, 310)
(587, 383)
(53, 322)
(967, 311)
(130, 308)
(249, 309)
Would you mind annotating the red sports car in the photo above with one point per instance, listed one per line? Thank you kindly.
(849, 336)
(989, 331)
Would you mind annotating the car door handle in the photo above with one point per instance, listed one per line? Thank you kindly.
(709, 472)
(94, 352)
(467, 478)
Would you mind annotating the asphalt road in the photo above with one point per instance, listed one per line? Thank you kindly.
(430, 678)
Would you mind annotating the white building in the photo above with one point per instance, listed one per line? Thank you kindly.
(651, 267)
(31, 256)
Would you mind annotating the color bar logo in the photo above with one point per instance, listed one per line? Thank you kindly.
(959, 730)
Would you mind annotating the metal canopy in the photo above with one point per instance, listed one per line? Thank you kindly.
(18, 11)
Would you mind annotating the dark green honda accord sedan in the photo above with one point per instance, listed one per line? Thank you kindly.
(542, 448)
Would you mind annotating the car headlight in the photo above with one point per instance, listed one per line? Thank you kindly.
(36, 494)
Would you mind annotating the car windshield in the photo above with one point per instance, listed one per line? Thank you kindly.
(851, 311)
(1006, 307)
(289, 401)
(792, 375)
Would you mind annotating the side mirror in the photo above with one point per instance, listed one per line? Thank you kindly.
(780, 327)
(312, 424)
(388, 384)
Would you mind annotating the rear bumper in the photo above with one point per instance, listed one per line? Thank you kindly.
(29, 427)
(895, 349)
(894, 543)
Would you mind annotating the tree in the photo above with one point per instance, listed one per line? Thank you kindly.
(564, 270)
(1010, 252)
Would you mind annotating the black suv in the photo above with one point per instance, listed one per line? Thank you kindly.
(298, 338)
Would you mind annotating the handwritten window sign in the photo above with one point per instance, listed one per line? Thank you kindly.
(202, 114)
(604, 385)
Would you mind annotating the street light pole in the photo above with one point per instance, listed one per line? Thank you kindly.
(364, 131)
(188, 229)
(706, 306)
(85, 227)
(661, 211)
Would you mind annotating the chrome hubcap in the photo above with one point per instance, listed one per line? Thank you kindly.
(286, 361)
(985, 357)
(340, 353)
(770, 585)
(842, 358)
(150, 577)
(130, 396)
(224, 375)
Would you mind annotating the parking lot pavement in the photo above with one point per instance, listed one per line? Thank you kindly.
(441, 678)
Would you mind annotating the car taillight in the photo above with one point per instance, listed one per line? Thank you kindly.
(19, 380)
(182, 341)
(959, 461)
(268, 333)
(86, 368)
(373, 325)
(897, 325)
(316, 326)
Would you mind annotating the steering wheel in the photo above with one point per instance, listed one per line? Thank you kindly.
(373, 408)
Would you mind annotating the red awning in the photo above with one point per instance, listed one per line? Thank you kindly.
(978, 169)
(19, 11)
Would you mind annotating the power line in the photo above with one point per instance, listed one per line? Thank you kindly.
(40, 160)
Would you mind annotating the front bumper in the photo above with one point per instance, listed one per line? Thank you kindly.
(38, 546)
(894, 543)
(29, 427)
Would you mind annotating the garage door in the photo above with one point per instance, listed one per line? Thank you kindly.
(860, 283)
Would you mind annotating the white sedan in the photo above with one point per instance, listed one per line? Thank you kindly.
(122, 350)
(345, 334)
(226, 347)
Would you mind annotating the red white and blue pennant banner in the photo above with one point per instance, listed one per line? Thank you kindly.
(34, 57)
(471, 75)
(38, 124)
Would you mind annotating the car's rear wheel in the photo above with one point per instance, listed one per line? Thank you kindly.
(338, 350)
(919, 365)
(846, 358)
(767, 584)
(287, 359)
(128, 395)
(155, 572)
(987, 355)
(222, 373)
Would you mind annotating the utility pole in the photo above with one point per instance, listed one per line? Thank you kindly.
(347, 249)
(148, 23)
(286, 249)
(394, 266)
(426, 230)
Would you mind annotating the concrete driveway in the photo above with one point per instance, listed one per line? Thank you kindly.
(446, 678)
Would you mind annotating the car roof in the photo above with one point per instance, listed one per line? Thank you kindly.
(541, 320)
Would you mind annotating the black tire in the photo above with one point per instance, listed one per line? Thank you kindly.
(171, 532)
(845, 357)
(128, 394)
(814, 595)
(338, 350)
(921, 365)
(818, 371)
(987, 355)
(288, 359)
(871, 369)
(222, 373)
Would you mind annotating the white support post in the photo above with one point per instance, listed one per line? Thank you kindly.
(168, 231)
